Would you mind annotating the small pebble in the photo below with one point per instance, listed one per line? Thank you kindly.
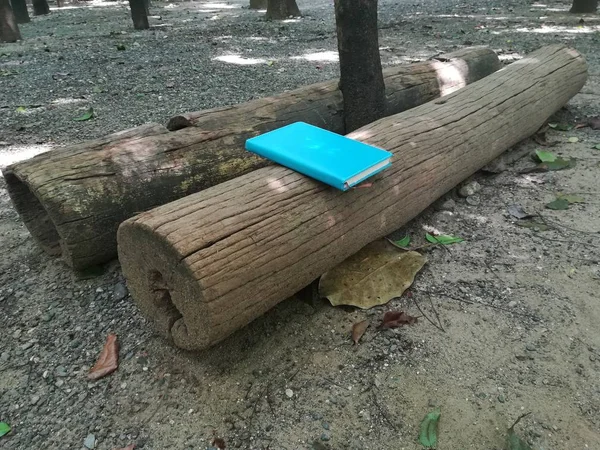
(325, 425)
(60, 371)
(325, 437)
(289, 392)
(512, 304)
(501, 398)
(469, 189)
(530, 347)
(120, 291)
(35, 399)
(90, 441)
(592, 358)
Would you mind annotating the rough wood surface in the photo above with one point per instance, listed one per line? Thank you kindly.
(206, 265)
(73, 199)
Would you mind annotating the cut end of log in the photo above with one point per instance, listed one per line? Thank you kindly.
(162, 288)
(34, 215)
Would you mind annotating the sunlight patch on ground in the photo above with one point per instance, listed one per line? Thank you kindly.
(68, 101)
(290, 20)
(326, 56)
(15, 153)
(556, 29)
(214, 5)
(240, 60)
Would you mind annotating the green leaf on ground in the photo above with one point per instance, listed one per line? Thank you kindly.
(373, 276)
(597, 146)
(573, 139)
(544, 156)
(21, 109)
(571, 198)
(513, 441)
(97, 90)
(4, 428)
(121, 47)
(403, 242)
(443, 239)
(561, 126)
(558, 204)
(85, 116)
(429, 429)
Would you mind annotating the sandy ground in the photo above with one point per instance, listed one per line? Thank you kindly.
(519, 306)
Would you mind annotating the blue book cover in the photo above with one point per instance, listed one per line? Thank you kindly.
(331, 158)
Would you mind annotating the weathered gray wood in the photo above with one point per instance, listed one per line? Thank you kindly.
(73, 199)
(206, 265)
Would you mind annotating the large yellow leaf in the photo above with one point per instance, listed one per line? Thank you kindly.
(371, 277)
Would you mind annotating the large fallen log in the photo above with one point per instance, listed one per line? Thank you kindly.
(72, 200)
(206, 265)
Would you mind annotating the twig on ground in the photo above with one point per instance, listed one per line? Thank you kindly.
(489, 305)
(439, 327)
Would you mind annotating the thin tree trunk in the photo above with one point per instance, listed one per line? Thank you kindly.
(40, 7)
(258, 4)
(282, 9)
(584, 6)
(20, 11)
(9, 30)
(139, 14)
(361, 78)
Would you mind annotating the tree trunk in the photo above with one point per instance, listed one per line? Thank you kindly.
(361, 77)
(584, 6)
(9, 30)
(208, 264)
(40, 7)
(139, 14)
(20, 11)
(73, 199)
(282, 9)
(258, 4)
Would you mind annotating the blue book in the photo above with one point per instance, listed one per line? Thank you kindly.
(331, 158)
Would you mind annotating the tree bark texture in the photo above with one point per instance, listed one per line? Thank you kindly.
(584, 6)
(139, 14)
(258, 4)
(282, 9)
(9, 30)
(20, 11)
(73, 199)
(206, 265)
(40, 7)
(361, 77)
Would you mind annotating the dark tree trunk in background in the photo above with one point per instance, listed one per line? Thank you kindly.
(361, 78)
(9, 30)
(258, 4)
(139, 14)
(282, 9)
(20, 11)
(584, 6)
(40, 7)
(147, 4)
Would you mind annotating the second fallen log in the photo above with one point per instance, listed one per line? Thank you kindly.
(72, 200)
(206, 265)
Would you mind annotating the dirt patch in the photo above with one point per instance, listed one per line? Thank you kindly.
(518, 305)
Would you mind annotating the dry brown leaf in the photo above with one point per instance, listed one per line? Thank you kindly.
(219, 443)
(129, 447)
(108, 361)
(373, 276)
(358, 329)
(594, 123)
(394, 319)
